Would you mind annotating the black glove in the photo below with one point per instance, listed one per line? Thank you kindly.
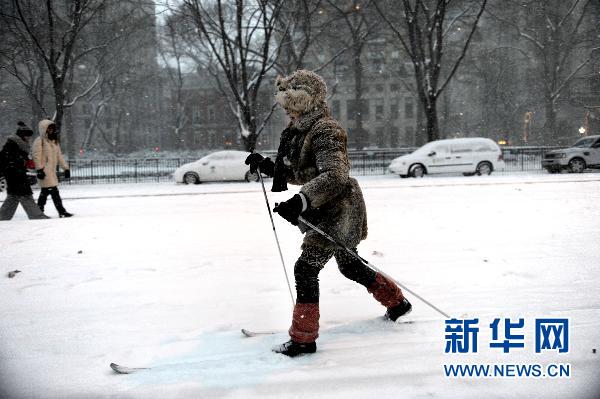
(67, 174)
(41, 174)
(255, 160)
(291, 209)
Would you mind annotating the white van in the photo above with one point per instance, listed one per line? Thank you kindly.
(469, 156)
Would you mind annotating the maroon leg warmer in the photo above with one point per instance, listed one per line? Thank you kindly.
(386, 291)
(305, 323)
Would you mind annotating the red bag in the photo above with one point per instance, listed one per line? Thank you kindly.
(29, 164)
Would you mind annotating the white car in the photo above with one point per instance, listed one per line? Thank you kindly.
(469, 156)
(585, 153)
(218, 166)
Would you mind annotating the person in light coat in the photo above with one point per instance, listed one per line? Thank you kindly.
(47, 155)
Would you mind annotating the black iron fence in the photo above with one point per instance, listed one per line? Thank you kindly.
(372, 162)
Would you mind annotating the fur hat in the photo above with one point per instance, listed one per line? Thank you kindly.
(23, 129)
(301, 91)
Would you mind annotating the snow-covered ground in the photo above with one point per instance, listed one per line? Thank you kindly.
(164, 276)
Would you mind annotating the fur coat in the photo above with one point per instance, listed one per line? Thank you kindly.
(316, 157)
(47, 155)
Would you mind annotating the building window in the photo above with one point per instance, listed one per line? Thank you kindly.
(410, 134)
(379, 88)
(409, 111)
(394, 87)
(108, 123)
(394, 107)
(196, 118)
(86, 109)
(379, 113)
(380, 137)
(354, 109)
(87, 123)
(211, 114)
(335, 108)
(394, 137)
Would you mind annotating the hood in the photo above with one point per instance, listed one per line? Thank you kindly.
(22, 144)
(401, 158)
(43, 126)
(303, 92)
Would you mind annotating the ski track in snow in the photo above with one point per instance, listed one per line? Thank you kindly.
(163, 276)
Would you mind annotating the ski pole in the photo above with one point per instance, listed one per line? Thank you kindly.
(366, 263)
(276, 237)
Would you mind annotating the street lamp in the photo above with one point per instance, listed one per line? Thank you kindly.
(582, 130)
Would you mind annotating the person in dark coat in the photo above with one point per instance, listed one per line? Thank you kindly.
(13, 160)
(313, 153)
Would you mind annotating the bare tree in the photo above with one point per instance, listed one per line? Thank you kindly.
(354, 20)
(240, 36)
(556, 37)
(421, 29)
(173, 54)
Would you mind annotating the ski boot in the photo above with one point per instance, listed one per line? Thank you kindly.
(293, 348)
(401, 309)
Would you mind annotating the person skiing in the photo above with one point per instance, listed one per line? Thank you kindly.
(312, 153)
(14, 159)
(47, 155)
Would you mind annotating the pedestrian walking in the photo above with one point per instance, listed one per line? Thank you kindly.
(47, 156)
(14, 158)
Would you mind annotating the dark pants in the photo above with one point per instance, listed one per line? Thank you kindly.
(9, 207)
(312, 260)
(53, 192)
(305, 318)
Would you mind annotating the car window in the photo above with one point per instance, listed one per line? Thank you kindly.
(440, 148)
(461, 149)
(584, 143)
(482, 147)
(596, 144)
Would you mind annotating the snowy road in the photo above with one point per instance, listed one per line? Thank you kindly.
(164, 276)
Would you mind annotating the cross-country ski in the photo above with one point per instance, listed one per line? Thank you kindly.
(126, 370)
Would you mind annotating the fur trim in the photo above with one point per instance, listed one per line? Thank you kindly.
(43, 127)
(23, 145)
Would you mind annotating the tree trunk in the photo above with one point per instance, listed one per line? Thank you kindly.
(433, 132)
(549, 133)
(361, 135)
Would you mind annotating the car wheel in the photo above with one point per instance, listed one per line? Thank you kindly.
(417, 171)
(191, 178)
(484, 168)
(2, 184)
(577, 165)
(252, 176)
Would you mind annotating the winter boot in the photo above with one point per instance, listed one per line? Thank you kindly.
(65, 214)
(389, 295)
(395, 312)
(293, 348)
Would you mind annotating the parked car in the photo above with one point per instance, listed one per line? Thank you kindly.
(585, 153)
(469, 156)
(218, 166)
